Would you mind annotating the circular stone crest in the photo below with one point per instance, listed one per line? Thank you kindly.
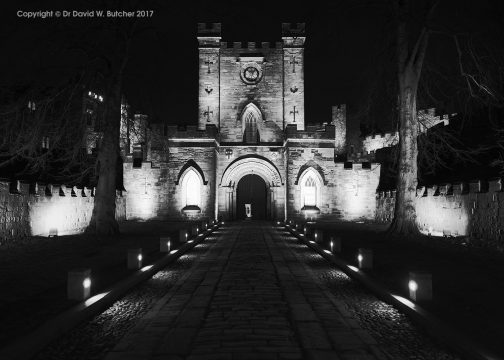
(251, 73)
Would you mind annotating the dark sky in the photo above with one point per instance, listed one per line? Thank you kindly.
(346, 48)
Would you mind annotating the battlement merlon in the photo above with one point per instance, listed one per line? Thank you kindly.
(209, 35)
(293, 34)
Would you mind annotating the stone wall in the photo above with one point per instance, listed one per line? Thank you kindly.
(347, 189)
(154, 190)
(474, 210)
(38, 209)
(267, 94)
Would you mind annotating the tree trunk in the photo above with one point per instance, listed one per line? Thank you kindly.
(103, 221)
(404, 222)
(410, 62)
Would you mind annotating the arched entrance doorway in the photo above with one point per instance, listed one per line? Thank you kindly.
(251, 189)
(227, 205)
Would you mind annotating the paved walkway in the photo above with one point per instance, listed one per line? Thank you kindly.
(248, 297)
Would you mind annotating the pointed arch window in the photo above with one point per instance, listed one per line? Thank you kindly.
(251, 116)
(310, 195)
(191, 191)
(250, 136)
(310, 192)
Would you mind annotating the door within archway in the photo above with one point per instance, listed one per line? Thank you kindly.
(251, 189)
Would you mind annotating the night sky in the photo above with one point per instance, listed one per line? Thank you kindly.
(348, 57)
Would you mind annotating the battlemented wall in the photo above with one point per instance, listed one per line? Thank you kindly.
(474, 210)
(426, 120)
(38, 209)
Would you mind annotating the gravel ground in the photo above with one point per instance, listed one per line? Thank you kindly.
(92, 340)
(397, 337)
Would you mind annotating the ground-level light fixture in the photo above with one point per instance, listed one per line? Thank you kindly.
(420, 286)
(365, 258)
(79, 284)
(135, 258)
(164, 244)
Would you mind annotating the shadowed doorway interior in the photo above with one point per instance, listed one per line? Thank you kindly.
(251, 190)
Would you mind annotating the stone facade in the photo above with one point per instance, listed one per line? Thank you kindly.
(251, 121)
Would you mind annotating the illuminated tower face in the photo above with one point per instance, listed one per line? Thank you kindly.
(251, 91)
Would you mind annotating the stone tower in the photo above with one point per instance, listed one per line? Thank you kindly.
(209, 36)
(293, 36)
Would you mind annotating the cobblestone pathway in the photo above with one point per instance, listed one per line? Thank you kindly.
(247, 298)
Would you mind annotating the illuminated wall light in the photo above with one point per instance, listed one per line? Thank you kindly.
(183, 235)
(365, 258)
(319, 236)
(412, 285)
(420, 286)
(335, 244)
(79, 284)
(135, 259)
(164, 244)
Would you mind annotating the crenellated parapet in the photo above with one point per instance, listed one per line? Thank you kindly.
(374, 142)
(38, 189)
(426, 120)
(477, 186)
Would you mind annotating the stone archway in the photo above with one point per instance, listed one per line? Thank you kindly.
(247, 165)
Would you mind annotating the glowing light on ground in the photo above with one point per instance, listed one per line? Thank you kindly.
(327, 251)
(353, 268)
(94, 299)
(173, 251)
(405, 301)
(145, 268)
